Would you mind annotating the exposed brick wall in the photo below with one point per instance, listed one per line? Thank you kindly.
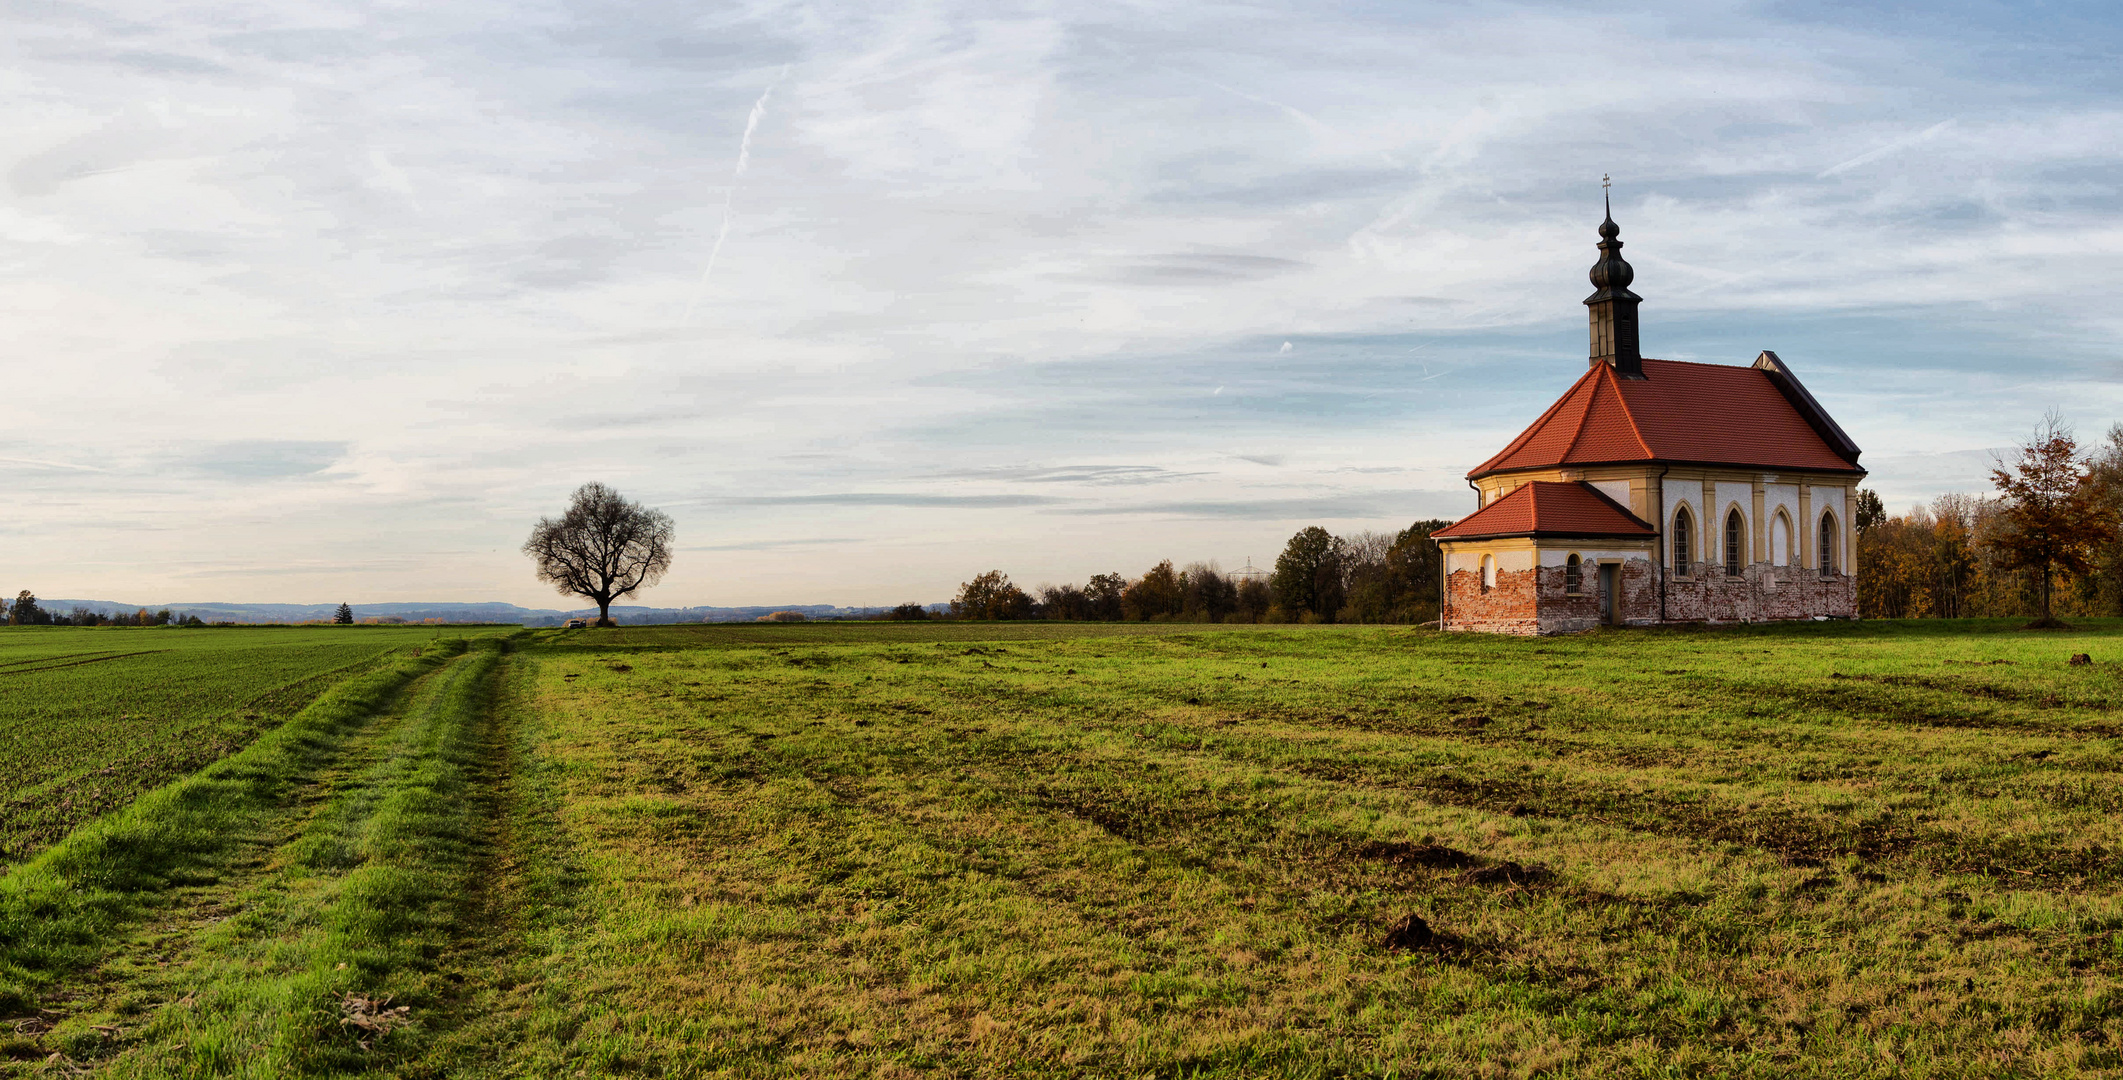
(1535, 602)
(1562, 613)
(1510, 607)
(1761, 593)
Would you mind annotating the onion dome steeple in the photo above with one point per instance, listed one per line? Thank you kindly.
(1612, 306)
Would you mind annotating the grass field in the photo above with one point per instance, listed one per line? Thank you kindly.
(1022, 850)
(91, 718)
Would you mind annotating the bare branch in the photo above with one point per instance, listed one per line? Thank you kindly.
(602, 548)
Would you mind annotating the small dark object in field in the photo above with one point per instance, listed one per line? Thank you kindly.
(862, 723)
(1402, 854)
(2081, 660)
(1678, 671)
(1194, 701)
(1461, 700)
(1508, 873)
(622, 667)
(1410, 933)
(1071, 671)
(1264, 663)
(372, 1017)
(1473, 723)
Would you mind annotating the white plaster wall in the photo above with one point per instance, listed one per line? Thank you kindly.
(1618, 490)
(1678, 493)
(1561, 556)
(1471, 560)
(1838, 500)
(1781, 495)
(1729, 496)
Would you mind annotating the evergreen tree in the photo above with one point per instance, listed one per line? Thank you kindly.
(344, 616)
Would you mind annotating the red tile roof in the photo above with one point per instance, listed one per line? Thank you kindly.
(1709, 414)
(1546, 508)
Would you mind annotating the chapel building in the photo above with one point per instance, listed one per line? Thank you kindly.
(1658, 491)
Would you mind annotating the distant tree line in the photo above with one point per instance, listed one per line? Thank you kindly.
(24, 610)
(1368, 577)
(2045, 544)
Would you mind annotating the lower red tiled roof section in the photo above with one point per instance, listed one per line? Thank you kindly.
(1679, 411)
(1547, 508)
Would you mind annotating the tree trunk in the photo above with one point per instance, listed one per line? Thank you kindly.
(604, 612)
(2045, 592)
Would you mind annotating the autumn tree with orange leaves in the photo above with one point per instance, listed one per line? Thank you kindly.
(2053, 513)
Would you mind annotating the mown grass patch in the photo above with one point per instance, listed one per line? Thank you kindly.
(332, 965)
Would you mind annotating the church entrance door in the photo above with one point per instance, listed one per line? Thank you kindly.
(1609, 578)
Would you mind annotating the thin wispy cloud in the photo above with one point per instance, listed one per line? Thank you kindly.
(1896, 146)
(883, 498)
(729, 198)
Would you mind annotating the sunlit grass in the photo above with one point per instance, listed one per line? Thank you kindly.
(1842, 850)
(880, 850)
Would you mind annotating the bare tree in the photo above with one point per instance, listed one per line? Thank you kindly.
(602, 548)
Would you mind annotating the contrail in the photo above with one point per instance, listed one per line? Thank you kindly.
(744, 157)
(1902, 143)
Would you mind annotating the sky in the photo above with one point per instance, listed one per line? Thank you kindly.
(309, 302)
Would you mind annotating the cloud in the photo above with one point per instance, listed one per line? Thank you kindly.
(1049, 264)
(1387, 506)
(1900, 144)
(883, 499)
(778, 545)
(264, 459)
(1190, 268)
(1100, 475)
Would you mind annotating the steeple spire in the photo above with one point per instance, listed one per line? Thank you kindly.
(1612, 306)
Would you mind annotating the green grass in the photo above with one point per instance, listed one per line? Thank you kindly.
(359, 904)
(1873, 849)
(92, 718)
(1834, 851)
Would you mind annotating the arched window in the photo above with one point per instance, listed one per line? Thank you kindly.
(1683, 541)
(1488, 572)
(1734, 526)
(1780, 540)
(1574, 575)
(1829, 545)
